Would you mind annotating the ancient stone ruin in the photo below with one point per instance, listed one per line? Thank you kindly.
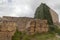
(8, 26)
(55, 17)
(37, 26)
(7, 29)
(20, 21)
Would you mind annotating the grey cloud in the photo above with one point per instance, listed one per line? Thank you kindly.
(25, 7)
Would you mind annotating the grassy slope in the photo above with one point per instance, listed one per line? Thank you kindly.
(47, 36)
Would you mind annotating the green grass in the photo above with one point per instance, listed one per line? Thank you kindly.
(23, 36)
(45, 36)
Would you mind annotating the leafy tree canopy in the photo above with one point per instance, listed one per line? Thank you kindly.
(42, 12)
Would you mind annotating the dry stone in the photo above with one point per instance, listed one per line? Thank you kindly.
(54, 15)
(34, 23)
(37, 25)
(7, 29)
(21, 21)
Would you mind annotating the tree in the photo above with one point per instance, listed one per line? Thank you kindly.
(43, 12)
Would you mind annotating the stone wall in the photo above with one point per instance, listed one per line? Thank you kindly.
(8, 26)
(55, 17)
(37, 25)
(7, 29)
(21, 21)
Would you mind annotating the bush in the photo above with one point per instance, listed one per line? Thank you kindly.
(58, 32)
(17, 35)
(22, 36)
(53, 28)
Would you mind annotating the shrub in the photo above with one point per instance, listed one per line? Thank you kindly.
(58, 31)
(17, 35)
(53, 28)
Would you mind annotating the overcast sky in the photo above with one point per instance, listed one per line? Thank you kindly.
(25, 8)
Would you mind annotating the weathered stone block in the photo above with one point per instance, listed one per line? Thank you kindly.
(37, 25)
